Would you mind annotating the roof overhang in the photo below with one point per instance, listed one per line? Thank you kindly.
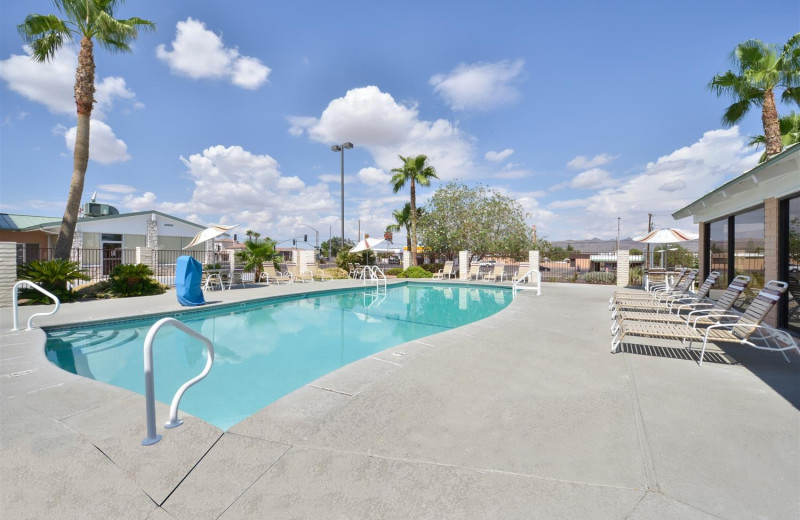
(776, 178)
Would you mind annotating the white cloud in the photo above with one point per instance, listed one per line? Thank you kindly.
(663, 187)
(374, 121)
(104, 147)
(479, 86)
(582, 162)
(498, 156)
(199, 53)
(593, 179)
(233, 185)
(374, 176)
(52, 83)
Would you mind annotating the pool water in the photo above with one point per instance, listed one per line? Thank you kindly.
(265, 350)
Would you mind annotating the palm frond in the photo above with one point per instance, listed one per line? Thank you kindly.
(735, 112)
(45, 34)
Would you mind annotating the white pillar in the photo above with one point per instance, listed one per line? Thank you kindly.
(463, 265)
(144, 255)
(533, 258)
(623, 268)
(8, 272)
(406, 260)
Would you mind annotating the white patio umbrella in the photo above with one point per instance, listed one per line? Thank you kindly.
(666, 236)
(367, 244)
(209, 233)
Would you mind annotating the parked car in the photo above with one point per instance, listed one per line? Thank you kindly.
(543, 268)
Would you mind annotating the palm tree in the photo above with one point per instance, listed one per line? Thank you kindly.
(760, 69)
(90, 20)
(256, 253)
(402, 219)
(415, 170)
(790, 133)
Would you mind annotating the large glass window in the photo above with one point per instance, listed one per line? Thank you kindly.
(718, 250)
(748, 250)
(793, 252)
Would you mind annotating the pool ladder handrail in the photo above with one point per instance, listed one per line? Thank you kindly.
(27, 284)
(375, 273)
(527, 278)
(150, 400)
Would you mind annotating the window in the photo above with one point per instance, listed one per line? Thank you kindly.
(791, 259)
(718, 250)
(748, 249)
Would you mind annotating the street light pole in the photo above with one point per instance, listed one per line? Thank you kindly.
(341, 148)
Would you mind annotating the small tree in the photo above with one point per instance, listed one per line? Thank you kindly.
(256, 253)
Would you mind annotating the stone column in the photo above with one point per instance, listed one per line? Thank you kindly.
(771, 260)
(406, 260)
(76, 252)
(463, 265)
(144, 255)
(623, 267)
(208, 256)
(8, 272)
(533, 258)
(151, 233)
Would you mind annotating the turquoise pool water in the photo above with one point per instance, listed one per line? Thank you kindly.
(265, 350)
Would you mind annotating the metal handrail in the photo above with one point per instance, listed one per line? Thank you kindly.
(373, 271)
(529, 277)
(150, 400)
(27, 284)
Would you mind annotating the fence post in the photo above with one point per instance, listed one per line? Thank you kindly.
(144, 255)
(406, 259)
(463, 265)
(533, 258)
(76, 252)
(623, 268)
(208, 258)
(8, 272)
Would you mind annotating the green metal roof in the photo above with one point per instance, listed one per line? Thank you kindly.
(12, 222)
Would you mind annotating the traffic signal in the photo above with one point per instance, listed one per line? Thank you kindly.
(305, 238)
(294, 241)
(234, 237)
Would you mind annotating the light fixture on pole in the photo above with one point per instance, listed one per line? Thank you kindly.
(341, 148)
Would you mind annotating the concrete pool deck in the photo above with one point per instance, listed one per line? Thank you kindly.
(524, 414)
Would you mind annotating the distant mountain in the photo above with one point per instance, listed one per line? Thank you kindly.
(596, 245)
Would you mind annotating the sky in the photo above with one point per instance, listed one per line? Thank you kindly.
(584, 112)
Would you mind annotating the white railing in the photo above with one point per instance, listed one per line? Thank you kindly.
(374, 273)
(150, 400)
(531, 276)
(25, 284)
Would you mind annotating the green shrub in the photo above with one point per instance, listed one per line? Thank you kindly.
(92, 291)
(336, 273)
(393, 271)
(415, 272)
(134, 280)
(431, 268)
(601, 277)
(53, 276)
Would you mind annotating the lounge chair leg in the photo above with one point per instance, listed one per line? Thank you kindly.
(615, 342)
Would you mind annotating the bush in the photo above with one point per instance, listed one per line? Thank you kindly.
(51, 275)
(601, 277)
(336, 273)
(393, 271)
(134, 280)
(415, 272)
(431, 268)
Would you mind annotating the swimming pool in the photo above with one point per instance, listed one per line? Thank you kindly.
(267, 349)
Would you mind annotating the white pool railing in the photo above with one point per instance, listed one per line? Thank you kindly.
(150, 400)
(533, 275)
(26, 284)
(374, 273)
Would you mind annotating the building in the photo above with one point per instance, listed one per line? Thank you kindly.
(751, 226)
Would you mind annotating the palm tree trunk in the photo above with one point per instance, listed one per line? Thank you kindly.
(772, 127)
(413, 223)
(84, 99)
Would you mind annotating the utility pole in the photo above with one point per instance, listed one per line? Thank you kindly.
(618, 219)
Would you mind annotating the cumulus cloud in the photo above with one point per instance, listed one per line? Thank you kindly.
(498, 156)
(662, 187)
(52, 83)
(374, 176)
(582, 162)
(479, 86)
(104, 147)
(374, 121)
(234, 185)
(593, 179)
(200, 53)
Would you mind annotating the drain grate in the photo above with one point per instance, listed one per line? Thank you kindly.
(678, 353)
